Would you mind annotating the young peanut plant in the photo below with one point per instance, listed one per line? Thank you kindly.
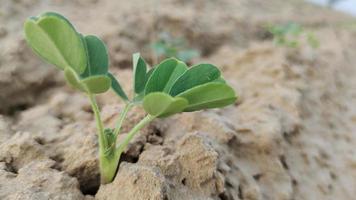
(168, 88)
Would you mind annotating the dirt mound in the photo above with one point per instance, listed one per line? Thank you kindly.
(291, 135)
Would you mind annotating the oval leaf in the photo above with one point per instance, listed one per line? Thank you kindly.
(160, 104)
(115, 85)
(197, 75)
(140, 69)
(72, 79)
(53, 38)
(98, 62)
(139, 97)
(149, 74)
(209, 95)
(220, 80)
(164, 75)
(97, 84)
(180, 68)
(175, 107)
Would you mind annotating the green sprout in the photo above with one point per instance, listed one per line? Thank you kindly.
(290, 35)
(168, 46)
(169, 88)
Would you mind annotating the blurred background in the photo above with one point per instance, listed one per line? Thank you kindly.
(347, 6)
(291, 135)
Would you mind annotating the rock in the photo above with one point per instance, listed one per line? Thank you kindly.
(78, 156)
(70, 106)
(20, 150)
(135, 182)
(3, 32)
(37, 180)
(22, 78)
(5, 128)
(72, 146)
(188, 173)
(198, 162)
(41, 121)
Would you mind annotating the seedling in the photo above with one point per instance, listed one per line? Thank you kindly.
(169, 88)
(169, 46)
(291, 34)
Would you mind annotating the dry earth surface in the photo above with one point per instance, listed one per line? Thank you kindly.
(291, 135)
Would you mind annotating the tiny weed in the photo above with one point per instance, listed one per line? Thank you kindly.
(291, 35)
(168, 46)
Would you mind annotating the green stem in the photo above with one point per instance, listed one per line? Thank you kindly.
(133, 132)
(121, 119)
(99, 124)
(109, 164)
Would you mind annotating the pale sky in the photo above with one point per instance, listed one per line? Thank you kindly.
(348, 6)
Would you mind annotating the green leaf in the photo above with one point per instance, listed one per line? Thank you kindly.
(209, 95)
(72, 79)
(139, 97)
(160, 104)
(54, 39)
(115, 85)
(180, 68)
(149, 74)
(98, 62)
(97, 84)
(220, 80)
(164, 76)
(140, 69)
(197, 75)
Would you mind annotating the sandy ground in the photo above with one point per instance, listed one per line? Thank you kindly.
(291, 135)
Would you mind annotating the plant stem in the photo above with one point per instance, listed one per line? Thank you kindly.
(133, 132)
(121, 119)
(99, 124)
(109, 164)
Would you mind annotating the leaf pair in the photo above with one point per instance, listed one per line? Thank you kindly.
(173, 84)
(164, 75)
(83, 58)
(95, 77)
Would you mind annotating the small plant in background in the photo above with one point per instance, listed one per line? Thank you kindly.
(291, 35)
(169, 88)
(168, 46)
(312, 40)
